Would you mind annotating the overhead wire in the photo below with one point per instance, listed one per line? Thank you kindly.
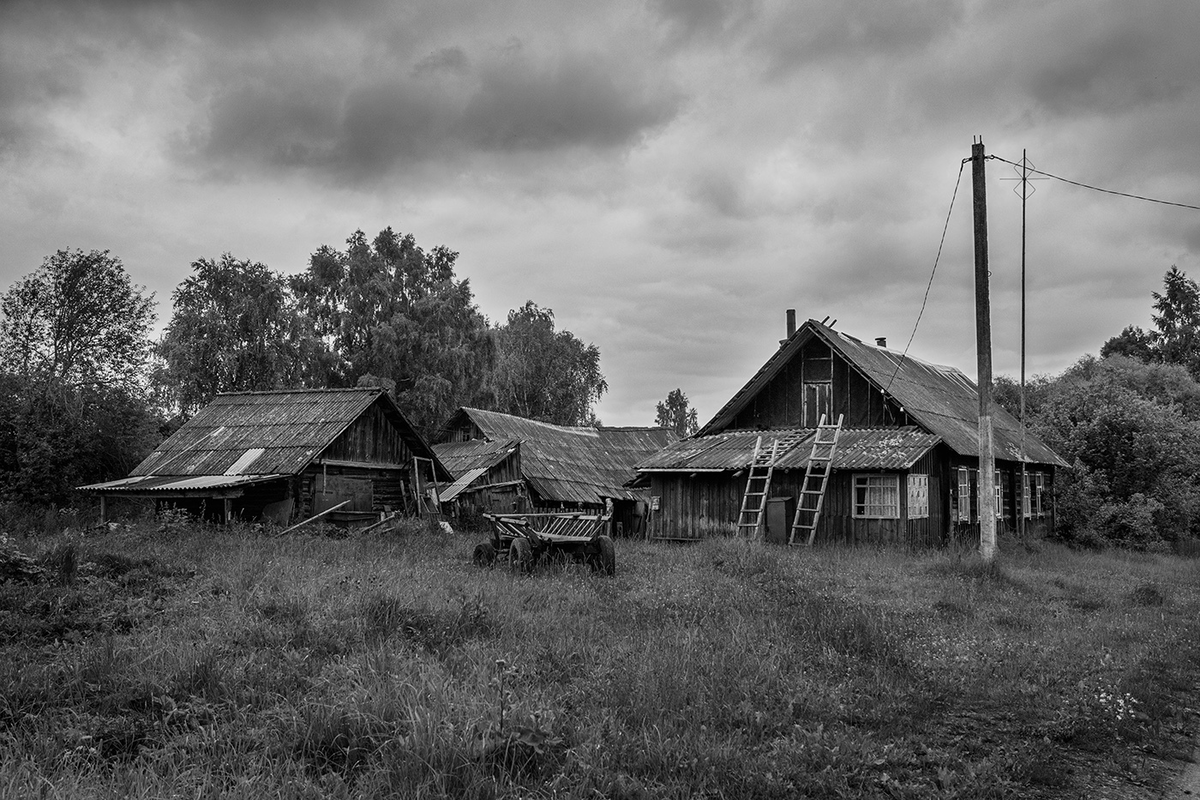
(933, 272)
(1098, 188)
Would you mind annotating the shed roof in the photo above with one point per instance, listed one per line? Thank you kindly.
(461, 457)
(941, 399)
(858, 448)
(270, 433)
(155, 484)
(571, 464)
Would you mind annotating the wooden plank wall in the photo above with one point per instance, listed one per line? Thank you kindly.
(968, 532)
(372, 438)
(708, 504)
(780, 404)
(390, 487)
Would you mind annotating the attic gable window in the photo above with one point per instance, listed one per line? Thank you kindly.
(877, 496)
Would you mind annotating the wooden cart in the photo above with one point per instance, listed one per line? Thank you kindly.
(527, 539)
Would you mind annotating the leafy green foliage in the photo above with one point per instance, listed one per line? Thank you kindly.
(1131, 431)
(390, 310)
(675, 413)
(236, 327)
(74, 338)
(77, 320)
(1176, 335)
(543, 373)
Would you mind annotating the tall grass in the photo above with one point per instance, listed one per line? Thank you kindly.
(214, 662)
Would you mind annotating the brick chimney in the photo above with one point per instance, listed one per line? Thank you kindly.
(791, 322)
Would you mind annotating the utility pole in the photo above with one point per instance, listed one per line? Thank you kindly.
(983, 349)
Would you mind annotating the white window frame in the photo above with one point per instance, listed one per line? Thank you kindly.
(998, 489)
(879, 484)
(918, 496)
(1027, 496)
(964, 494)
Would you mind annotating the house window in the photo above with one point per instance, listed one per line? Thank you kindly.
(1026, 505)
(998, 489)
(918, 496)
(964, 494)
(1035, 488)
(877, 496)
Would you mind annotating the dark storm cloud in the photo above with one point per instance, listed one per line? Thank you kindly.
(581, 100)
(449, 59)
(1123, 59)
(446, 106)
(800, 33)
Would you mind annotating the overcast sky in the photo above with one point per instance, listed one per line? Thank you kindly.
(669, 176)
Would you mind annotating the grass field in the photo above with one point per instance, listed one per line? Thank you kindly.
(198, 662)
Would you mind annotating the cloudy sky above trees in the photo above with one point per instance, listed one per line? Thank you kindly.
(667, 175)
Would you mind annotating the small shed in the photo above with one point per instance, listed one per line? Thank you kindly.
(906, 466)
(287, 455)
(505, 463)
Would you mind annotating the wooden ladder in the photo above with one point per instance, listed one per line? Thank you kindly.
(816, 480)
(758, 482)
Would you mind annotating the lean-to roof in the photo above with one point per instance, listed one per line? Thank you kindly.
(474, 454)
(941, 399)
(858, 448)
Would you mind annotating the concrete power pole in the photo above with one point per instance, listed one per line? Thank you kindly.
(983, 348)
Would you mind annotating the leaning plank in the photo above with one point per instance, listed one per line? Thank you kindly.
(314, 516)
(383, 521)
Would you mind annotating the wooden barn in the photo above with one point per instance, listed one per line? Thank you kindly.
(904, 470)
(287, 455)
(504, 463)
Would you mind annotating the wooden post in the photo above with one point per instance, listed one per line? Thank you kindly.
(983, 348)
(103, 510)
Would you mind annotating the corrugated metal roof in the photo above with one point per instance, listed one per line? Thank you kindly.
(455, 489)
(572, 464)
(289, 427)
(942, 399)
(460, 457)
(858, 448)
(168, 484)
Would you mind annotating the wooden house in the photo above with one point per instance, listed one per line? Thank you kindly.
(905, 468)
(504, 463)
(289, 455)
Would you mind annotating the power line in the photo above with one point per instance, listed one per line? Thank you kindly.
(1099, 189)
(928, 286)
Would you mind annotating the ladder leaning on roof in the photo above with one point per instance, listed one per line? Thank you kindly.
(816, 480)
(758, 482)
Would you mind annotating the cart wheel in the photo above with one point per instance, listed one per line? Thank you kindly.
(520, 556)
(604, 558)
(485, 554)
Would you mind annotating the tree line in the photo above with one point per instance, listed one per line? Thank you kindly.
(1128, 424)
(86, 393)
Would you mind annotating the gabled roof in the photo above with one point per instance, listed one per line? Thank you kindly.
(858, 448)
(941, 399)
(276, 433)
(571, 464)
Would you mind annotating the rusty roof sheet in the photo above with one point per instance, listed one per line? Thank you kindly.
(268, 433)
(573, 464)
(858, 448)
(942, 399)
